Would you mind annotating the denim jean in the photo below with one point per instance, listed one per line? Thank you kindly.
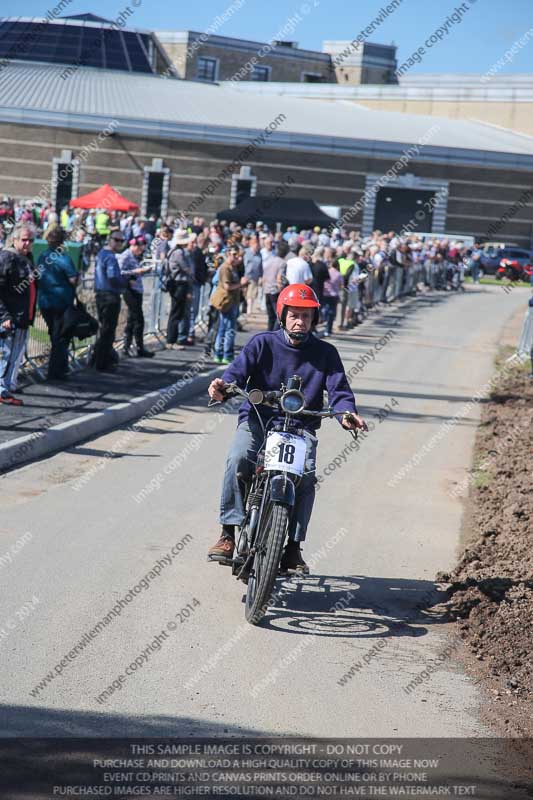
(241, 459)
(12, 349)
(227, 328)
(195, 306)
(330, 311)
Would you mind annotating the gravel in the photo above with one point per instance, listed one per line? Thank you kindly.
(491, 589)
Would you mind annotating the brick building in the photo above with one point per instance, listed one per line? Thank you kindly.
(173, 145)
(198, 56)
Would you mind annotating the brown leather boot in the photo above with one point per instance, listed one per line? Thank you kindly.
(222, 549)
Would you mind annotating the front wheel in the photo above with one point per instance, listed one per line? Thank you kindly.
(269, 544)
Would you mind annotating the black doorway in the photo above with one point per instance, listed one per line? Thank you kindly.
(64, 186)
(155, 193)
(396, 208)
(244, 190)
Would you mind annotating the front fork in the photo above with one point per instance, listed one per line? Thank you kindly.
(253, 501)
(278, 489)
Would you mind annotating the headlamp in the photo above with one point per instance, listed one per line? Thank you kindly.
(292, 402)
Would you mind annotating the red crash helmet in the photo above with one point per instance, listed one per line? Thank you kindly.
(299, 295)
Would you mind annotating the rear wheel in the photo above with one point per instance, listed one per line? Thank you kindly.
(269, 544)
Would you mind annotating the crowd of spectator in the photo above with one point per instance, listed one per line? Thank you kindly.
(259, 262)
(236, 270)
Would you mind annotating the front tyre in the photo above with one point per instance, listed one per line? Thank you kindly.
(270, 541)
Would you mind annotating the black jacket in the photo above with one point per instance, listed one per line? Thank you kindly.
(200, 266)
(320, 276)
(16, 276)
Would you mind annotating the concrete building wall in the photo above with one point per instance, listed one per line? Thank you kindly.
(478, 198)
(177, 52)
(517, 116)
(356, 75)
(362, 63)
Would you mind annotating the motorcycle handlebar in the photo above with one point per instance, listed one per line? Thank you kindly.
(232, 390)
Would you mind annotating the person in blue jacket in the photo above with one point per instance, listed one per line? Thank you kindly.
(57, 281)
(109, 283)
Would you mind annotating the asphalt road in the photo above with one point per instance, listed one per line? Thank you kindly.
(375, 543)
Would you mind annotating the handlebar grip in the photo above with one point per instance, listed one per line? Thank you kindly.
(349, 414)
(229, 391)
(353, 431)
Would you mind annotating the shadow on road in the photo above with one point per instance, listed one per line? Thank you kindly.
(57, 723)
(356, 607)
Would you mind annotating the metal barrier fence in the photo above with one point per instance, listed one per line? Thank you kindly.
(390, 281)
(383, 285)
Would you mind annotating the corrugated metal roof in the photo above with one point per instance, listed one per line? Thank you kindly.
(148, 105)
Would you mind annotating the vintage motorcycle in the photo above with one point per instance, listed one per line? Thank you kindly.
(269, 497)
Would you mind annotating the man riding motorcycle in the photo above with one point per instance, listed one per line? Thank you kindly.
(268, 360)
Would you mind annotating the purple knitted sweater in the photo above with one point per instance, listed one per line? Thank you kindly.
(268, 360)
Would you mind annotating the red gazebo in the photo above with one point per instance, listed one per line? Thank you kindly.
(104, 197)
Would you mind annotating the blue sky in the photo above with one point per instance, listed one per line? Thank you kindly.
(485, 32)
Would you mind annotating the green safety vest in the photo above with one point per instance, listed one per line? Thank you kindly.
(101, 223)
(345, 264)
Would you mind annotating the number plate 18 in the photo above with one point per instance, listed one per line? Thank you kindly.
(285, 452)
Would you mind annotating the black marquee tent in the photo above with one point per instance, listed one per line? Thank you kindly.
(286, 210)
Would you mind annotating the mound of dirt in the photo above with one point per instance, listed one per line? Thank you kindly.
(491, 592)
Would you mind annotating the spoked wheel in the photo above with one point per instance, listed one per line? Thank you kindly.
(269, 544)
